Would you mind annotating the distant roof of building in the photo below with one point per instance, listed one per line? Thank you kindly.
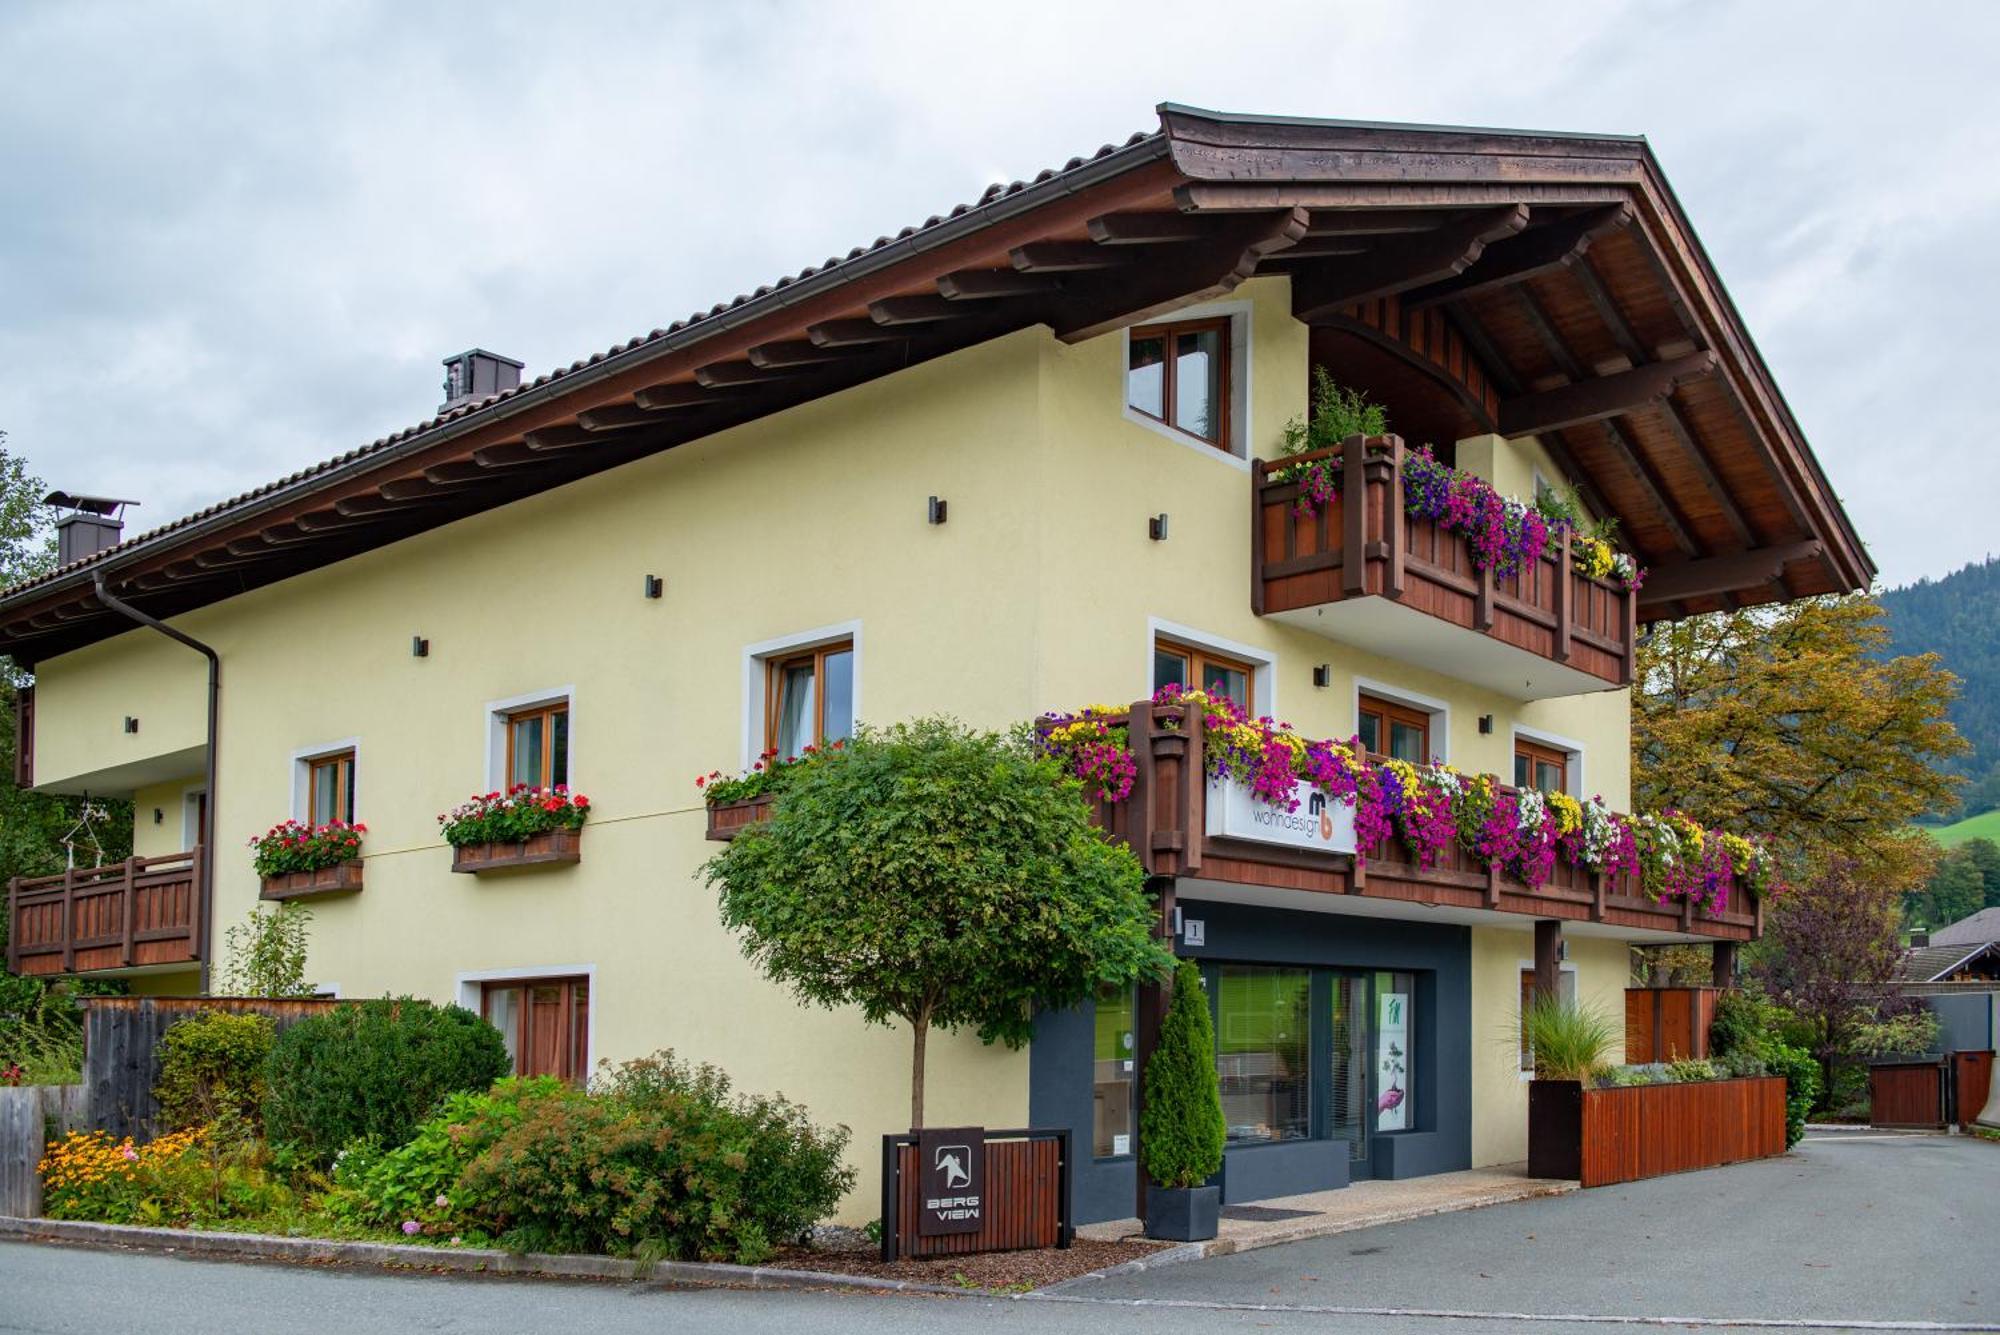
(1929, 964)
(1981, 927)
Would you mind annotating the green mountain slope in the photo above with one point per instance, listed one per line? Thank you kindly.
(1958, 618)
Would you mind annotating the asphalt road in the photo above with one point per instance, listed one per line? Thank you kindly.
(1894, 1230)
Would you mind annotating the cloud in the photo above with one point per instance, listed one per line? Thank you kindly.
(239, 239)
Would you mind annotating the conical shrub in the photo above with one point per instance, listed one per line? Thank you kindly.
(1181, 1131)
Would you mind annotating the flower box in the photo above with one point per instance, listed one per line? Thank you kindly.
(548, 847)
(340, 879)
(726, 818)
(1601, 1136)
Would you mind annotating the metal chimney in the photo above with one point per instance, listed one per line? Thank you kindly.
(1919, 939)
(88, 524)
(474, 376)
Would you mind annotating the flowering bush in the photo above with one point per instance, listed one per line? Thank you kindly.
(515, 816)
(1092, 749)
(291, 846)
(769, 773)
(197, 1176)
(1430, 807)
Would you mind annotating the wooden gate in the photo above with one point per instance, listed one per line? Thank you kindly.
(1906, 1094)
(1666, 1023)
(1027, 1193)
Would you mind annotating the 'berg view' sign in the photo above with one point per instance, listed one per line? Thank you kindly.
(951, 1167)
(1321, 824)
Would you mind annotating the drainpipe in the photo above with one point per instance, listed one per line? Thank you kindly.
(205, 864)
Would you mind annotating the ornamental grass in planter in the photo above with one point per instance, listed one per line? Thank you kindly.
(521, 827)
(1181, 1128)
(299, 861)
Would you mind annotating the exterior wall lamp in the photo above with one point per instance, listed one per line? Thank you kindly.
(1156, 528)
(419, 647)
(655, 586)
(1485, 724)
(131, 724)
(937, 510)
(1323, 675)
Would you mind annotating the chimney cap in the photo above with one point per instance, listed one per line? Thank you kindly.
(96, 505)
(482, 352)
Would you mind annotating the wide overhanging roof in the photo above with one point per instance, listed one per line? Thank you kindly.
(1561, 264)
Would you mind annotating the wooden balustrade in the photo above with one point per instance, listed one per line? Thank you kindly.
(123, 914)
(1165, 821)
(1365, 545)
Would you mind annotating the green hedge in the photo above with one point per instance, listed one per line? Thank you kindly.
(212, 1064)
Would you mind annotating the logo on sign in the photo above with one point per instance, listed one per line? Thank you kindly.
(1320, 823)
(952, 1164)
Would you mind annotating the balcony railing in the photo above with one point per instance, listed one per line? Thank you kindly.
(142, 911)
(1365, 571)
(1165, 821)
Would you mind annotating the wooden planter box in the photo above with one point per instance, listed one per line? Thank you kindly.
(726, 818)
(340, 879)
(1601, 1136)
(553, 846)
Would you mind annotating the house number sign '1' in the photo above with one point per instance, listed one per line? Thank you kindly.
(951, 1163)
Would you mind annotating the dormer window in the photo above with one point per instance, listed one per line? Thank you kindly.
(1178, 375)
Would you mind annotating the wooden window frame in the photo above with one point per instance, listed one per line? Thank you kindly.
(579, 1061)
(343, 763)
(546, 711)
(1198, 659)
(775, 667)
(1543, 753)
(1391, 712)
(1226, 397)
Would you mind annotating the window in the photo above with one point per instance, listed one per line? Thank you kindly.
(1181, 665)
(330, 788)
(1111, 1074)
(1566, 990)
(1262, 1051)
(809, 698)
(1349, 1086)
(538, 745)
(1395, 1065)
(1179, 374)
(1394, 730)
(1542, 767)
(545, 1023)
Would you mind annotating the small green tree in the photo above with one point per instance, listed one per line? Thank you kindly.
(267, 953)
(212, 1064)
(1181, 1129)
(940, 876)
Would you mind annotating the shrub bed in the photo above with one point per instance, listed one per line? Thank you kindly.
(212, 1064)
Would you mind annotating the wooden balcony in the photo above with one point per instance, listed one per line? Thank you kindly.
(142, 911)
(1165, 821)
(1364, 572)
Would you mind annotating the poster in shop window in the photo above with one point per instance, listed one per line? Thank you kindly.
(1392, 1061)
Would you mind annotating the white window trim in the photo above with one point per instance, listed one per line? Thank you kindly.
(754, 657)
(1439, 711)
(1573, 778)
(1264, 663)
(468, 986)
(496, 732)
(327, 990)
(302, 775)
(1576, 990)
(1240, 314)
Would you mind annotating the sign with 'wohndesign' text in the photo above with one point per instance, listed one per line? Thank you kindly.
(1321, 823)
(951, 1167)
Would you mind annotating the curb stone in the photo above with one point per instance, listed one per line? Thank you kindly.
(460, 1260)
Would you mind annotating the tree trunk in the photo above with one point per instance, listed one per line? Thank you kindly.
(920, 1030)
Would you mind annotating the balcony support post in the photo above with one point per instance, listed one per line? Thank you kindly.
(1394, 521)
(1353, 517)
(1258, 468)
(1723, 964)
(1548, 958)
(1597, 892)
(127, 894)
(1565, 585)
(69, 919)
(198, 911)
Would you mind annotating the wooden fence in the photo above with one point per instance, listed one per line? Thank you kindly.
(28, 1115)
(1906, 1094)
(1971, 1084)
(1602, 1136)
(121, 1039)
(1663, 1024)
(1027, 1191)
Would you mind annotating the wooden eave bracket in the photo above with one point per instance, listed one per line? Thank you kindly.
(1720, 574)
(1538, 250)
(1402, 263)
(1193, 271)
(1604, 396)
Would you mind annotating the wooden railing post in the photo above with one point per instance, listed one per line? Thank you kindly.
(1565, 583)
(1258, 468)
(1353, 517)
(14, 924)
(129, 893)
(69, 919)
(195, 915)
(1394, 521)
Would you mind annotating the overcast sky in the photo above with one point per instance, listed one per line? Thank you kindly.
(235, 239)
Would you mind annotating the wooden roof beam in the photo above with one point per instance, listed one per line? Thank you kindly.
(988, 284)
(1146, 229)
(914, 310)
(851, 333)
(1403, 263)
(1682, 431)
(730, 375)
(1065, 257)
(1718, 575)
(1594, 399)
(1539, 250)
(1200, 270)
(791, 352)
(1374, 222)
(659, 398)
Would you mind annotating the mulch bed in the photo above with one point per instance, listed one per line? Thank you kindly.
(1012, 1271)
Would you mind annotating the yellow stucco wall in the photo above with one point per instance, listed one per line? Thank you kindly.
(1040, 591)
(1499, 1088)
